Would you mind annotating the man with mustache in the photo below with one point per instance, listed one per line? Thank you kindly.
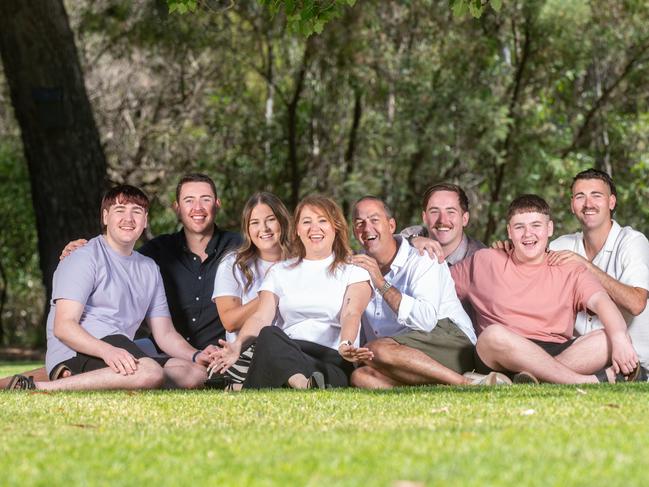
(617, 256)
(445, 215)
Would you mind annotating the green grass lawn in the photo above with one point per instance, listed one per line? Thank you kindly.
(522, 435)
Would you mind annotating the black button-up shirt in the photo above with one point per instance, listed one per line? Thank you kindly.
(189, 283)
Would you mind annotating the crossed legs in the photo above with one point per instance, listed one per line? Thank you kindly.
(395, 365)
(503, 350)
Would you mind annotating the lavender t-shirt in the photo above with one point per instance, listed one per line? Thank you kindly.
(117, 291)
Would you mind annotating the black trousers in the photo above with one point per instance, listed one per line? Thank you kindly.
(278, 357)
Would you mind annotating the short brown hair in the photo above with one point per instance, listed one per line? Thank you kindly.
(195, 178)
(528, 203)
(122, 194)
(453, 188)
(593, 173)
(334, 214)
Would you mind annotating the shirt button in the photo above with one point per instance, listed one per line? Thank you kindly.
(194, 258)
(193, 319)
(187, 338)
(197, 298)
(200, 277)
(376, 332)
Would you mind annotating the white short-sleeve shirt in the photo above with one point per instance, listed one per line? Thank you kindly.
(230, 281)
(311, 298)
(625, 257)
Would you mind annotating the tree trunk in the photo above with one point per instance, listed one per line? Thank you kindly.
(67, 168)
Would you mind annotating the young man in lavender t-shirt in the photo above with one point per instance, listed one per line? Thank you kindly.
(101, 293)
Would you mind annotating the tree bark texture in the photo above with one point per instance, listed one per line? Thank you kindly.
(67, 167)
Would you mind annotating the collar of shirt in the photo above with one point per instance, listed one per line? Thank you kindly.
(403, 250)
(210, 249)
(609, 245)
(460, 252)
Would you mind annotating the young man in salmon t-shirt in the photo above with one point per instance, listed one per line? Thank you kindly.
(525, 309)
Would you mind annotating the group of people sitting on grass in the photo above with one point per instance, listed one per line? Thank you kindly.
(288, 304)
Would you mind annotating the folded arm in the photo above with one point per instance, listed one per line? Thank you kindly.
(68, 329)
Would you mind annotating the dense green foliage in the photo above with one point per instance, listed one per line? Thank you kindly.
(389, 98)
(521, 435)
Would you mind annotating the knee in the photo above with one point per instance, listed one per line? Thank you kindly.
(268, 334)
(381, 349)
(149, 375)
(360, 377)
(493, 338)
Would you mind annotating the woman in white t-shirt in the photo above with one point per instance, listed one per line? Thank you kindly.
(266, 231)
(319, 298)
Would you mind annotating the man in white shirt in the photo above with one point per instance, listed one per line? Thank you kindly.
(617, 256)
(414, 323)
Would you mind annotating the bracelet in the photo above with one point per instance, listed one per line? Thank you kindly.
(195, 355)
(383, 289)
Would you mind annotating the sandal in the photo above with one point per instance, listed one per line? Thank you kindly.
(58, 371)
(222, 382)
(316, 381)
(634, 376)
(21, 383)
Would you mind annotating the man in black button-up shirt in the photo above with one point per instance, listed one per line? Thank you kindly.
(188, 260)
(189, 282)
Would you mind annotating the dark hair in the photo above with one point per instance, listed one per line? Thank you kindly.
(195, 178)
(122, 194)
(453, 188)
(334, 214)
(593, 173)
(369, 197)
(248, 252)
(528, 203)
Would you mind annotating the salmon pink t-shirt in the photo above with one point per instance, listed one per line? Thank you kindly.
(536, 301)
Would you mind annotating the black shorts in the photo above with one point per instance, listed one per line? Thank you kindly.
(85, 363)
(552, 348)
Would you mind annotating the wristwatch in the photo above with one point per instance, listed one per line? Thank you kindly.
(383, 289)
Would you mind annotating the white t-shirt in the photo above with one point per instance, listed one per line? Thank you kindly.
(230, 281)
(625, 257)
(310, 298)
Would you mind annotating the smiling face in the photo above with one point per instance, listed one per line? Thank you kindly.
(445, 219)
(316, 233)
(196, 207)
(530, 232)
(373, 228)
(265, 231)
(124, 224)
(592, 203)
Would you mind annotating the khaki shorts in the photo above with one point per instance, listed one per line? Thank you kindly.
(446, 344)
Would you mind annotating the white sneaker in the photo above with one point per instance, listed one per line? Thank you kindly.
(490, 379)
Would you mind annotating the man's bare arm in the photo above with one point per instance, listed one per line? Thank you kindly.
(630, 298)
